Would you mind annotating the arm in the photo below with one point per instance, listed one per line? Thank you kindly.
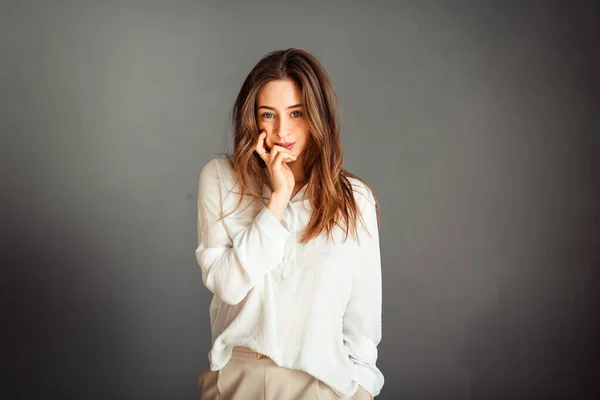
(231, 266)
(362, 317)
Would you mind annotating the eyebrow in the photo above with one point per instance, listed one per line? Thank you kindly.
(271, 108)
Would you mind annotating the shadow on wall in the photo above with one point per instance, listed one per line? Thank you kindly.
(533, 343)
(64, 335)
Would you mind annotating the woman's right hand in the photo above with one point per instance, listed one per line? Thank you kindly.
(276, 160)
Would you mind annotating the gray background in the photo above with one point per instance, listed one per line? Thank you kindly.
(474, 122)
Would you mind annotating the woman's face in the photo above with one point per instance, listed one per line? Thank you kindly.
(281, 113)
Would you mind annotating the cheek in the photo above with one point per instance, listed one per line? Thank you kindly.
(303, 129)
(269, 141)
(261, 123)
(267, 126)
(305, 135)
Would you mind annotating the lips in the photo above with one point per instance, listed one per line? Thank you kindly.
(288, 145)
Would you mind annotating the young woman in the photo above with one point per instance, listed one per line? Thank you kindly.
(296, 279)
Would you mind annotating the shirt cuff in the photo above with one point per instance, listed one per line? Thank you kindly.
(370, 378)
(271, 227)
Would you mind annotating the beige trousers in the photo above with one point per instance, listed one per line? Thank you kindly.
(253, 376)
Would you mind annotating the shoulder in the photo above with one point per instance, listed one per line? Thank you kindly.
(363, 194)
(217, 170)
(217, 167)
(366, 202)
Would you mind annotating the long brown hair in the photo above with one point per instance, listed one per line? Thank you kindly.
(329, 190)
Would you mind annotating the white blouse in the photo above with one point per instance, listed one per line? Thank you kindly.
(314, 307)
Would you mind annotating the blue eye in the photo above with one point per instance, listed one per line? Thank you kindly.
(264, 115)
(296, 114)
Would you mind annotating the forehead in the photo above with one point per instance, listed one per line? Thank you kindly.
(280, 93)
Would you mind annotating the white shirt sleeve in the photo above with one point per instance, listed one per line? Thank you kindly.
(362, 317)
(231, 266)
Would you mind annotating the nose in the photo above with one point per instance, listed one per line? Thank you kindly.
(283, 128)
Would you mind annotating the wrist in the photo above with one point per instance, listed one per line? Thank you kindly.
(277, 204)
(281, 194)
